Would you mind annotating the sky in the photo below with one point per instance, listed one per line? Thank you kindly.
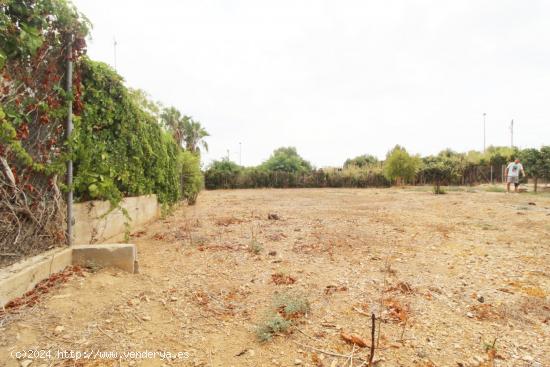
(336, 79)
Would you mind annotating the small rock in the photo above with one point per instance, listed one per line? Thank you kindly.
(470, 315)
(251, 353)
(272, 253)
(480, 299)
(528, 359)
(273, 216)
(173, 299)
(58, 329)
(26, 363)
(146, 318)
(531, 203)
(297, 362)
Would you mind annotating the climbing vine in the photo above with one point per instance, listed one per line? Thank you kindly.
(119, 148)
(33, 51)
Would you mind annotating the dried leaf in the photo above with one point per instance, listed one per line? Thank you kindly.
(354, 339)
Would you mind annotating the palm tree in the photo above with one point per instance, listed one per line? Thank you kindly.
(194, 135)
(173, 121)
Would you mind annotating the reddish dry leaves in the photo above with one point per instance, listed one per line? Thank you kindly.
(227, 221)
(402, 287)
(218, 248)
(281, 278)
(354, 339)
(33, 296)
(202, 298)
(159, 236)
(330, 289)
(485, 311)
(396, 311)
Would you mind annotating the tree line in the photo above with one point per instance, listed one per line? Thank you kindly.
(286, 168)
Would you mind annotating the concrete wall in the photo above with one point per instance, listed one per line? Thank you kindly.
(95, 224)
(21, 277)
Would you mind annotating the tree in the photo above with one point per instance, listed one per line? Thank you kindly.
(400, 166)
(545, 158)
(533, 162)
(361, 161)
(286, 159)
(172, 120)
(440, 170)
(193, 135)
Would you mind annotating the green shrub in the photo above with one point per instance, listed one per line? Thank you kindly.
(191, 176)
(400, 166)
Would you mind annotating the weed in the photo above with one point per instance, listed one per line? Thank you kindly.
(271, 325)
(291, 305)
(197, 240)
(495, 188)
(255, 247)
(438, 190)
(92, 266)
(287, 308)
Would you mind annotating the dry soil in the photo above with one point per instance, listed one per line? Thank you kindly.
(461, 279)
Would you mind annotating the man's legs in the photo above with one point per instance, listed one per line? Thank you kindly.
(508, 186)
(516, 185)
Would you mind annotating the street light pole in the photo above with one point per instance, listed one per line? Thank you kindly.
(484, 114)
(240, 154)
(512, 134)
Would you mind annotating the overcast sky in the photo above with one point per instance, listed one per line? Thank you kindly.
(337, 79)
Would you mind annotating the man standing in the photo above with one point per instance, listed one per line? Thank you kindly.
(512, 174)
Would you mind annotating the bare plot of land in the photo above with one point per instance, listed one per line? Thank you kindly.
(461, 279)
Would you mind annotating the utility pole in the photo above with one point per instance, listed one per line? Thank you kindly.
(484, 114)
(512, 134)
(68, 131)
(240, 154)
(114, 48)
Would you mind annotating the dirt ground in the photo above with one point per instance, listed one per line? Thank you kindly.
(461, 279)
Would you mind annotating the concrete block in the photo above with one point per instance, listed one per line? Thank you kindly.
(21, 277)
(120, 255)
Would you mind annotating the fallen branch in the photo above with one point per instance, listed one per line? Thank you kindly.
(105, 333)
(329, 353)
